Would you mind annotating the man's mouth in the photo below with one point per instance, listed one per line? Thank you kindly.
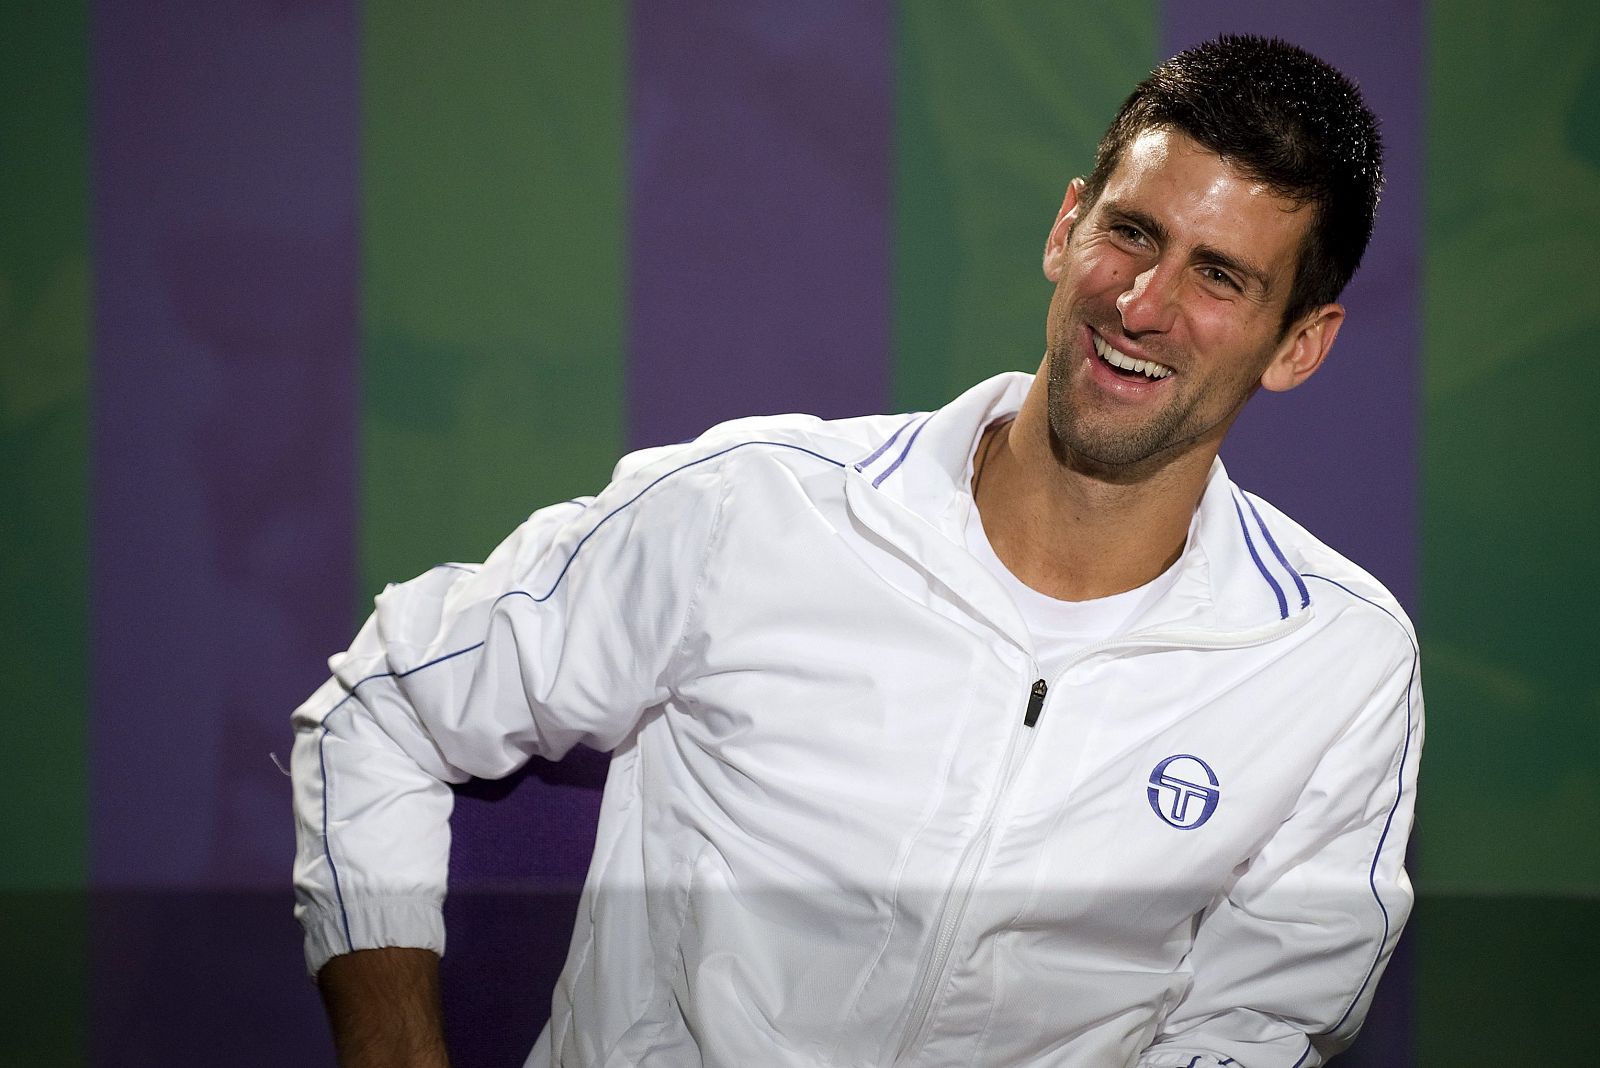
(1127, 364)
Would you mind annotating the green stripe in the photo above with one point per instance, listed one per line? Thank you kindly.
(1512, 500)
(44, 447)
(998, 107)
(1510, 799)
(492, 262)
(44, 403)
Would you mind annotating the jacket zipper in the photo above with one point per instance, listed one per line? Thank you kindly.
(954, 907)
(1035, 703)
(955, 901)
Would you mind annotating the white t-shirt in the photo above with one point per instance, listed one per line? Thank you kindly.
(1060, 629)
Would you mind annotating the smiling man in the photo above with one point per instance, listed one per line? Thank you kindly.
(1012, 733)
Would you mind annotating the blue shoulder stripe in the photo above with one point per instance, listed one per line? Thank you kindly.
(904, 452)
(1305, 594)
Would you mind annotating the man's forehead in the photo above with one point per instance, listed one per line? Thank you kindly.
(1160, 152)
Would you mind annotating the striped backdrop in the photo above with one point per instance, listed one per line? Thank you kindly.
(301, 296)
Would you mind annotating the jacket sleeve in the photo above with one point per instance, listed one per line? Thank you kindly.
(566, 634)
(1284, 965)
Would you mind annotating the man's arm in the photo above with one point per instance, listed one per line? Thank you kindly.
(383, 1005)
(564, 635)
(1284, 965)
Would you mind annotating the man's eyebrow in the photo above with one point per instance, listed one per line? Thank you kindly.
(1229, 262)
(1247, 270)
(1138, 218)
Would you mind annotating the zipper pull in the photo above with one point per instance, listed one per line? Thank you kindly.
(1035, 703)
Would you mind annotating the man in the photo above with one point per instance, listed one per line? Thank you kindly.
(1009, 734)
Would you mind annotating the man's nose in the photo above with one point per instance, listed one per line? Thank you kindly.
(1149, 304)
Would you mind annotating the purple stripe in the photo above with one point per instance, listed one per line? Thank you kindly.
(881, 449)
(1283, 603)
(1340, 455)
(225, 209)
(759, 212)
(904, 452)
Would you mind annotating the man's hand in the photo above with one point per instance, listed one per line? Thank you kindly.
(383, 1005)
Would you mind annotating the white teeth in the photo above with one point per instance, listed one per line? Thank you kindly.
(1148, 368)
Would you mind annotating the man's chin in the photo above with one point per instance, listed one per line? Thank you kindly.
(1108, 460)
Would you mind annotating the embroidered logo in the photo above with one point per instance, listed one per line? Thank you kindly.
(1183, 791)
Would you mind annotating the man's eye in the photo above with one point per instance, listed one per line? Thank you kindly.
(1131, 234)
(1218, 277)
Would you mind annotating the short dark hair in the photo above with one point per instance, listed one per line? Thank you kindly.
(1280, 116)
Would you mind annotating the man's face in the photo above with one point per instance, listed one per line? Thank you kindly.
(1186, 265)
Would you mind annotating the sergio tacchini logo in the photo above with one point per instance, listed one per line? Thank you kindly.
(1183, 791)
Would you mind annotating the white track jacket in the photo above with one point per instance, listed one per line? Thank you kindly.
(847, 822)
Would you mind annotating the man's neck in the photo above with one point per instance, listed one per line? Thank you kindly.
(1074, 534)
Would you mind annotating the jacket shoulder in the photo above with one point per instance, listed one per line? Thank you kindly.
(837, 441)
(1330, 575)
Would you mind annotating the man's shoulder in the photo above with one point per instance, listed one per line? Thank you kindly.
(1332, 578)
(842, 442)
(797, 438)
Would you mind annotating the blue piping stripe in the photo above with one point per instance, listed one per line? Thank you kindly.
(1283, 603)
(1305, 594)
(323, 723)
(607, 517)
(898, 460)
(393, 675)
(327, 851)
(881, 449)
(1399, 791)
(1303, 1056)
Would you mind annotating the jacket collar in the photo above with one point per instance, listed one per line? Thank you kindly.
(913, 487)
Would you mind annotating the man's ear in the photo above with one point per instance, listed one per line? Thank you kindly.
(1055, 246)
(1303, 348)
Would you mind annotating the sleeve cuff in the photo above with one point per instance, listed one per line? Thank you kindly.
(412, 922)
